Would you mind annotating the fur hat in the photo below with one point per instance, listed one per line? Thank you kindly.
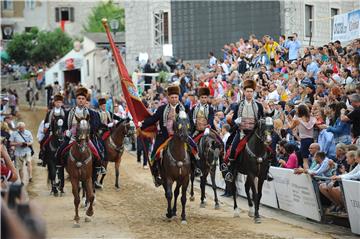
(203, 91)
(58, 97)
(173, 90)
(102, 101)
(249, 84)
(82, 91)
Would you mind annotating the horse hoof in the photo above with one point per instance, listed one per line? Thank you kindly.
(251, 212)
(76, 225)
(117, 188)
(237, 212)
(203, 204)
(87, 218)
(217, 206)
(183, 222)
(257, 220)
(192, 198)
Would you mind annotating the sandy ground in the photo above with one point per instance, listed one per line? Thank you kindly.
(138, 210)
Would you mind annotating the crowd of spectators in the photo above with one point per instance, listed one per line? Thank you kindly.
(312, 94)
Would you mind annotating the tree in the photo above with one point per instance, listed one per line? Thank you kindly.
(39, 46)
(104, 10)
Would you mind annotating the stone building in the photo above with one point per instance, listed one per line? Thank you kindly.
(193, 28)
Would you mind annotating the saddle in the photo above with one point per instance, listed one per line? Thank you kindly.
(92, 148)
(239, 149)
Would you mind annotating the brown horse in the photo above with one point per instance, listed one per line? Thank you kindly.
(114, 146)
(79, 166)
(176, 166)
(210, 151)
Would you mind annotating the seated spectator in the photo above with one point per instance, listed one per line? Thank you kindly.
(324, 166)
(313, 149)
(332, 192)
(292, 161)
(341, 158)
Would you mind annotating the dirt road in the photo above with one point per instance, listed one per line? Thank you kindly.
(137, 210)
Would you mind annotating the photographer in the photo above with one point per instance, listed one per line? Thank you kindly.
(22, 139)
(293, 45)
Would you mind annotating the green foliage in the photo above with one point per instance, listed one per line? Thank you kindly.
(39, 46)
(163, 76)
(104, 10)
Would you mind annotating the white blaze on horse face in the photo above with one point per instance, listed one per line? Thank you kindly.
(182, 115)
(269, 121)
(60, 122)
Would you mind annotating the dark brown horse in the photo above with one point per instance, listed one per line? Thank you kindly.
(254, 164)
(114, 146)
(176, 166)
(79, 165)
(211, 151)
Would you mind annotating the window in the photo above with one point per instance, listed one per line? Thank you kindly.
(308, 24)
(161, 28)
(8, 4)
(334, 11)
(30, 4)
(64, 14)
(7, 32)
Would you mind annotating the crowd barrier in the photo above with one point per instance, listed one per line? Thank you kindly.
(298, 194)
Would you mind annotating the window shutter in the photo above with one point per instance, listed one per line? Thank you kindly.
(71, 18)
(57, 14)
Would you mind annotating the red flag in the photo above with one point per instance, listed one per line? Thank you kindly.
(137, 109)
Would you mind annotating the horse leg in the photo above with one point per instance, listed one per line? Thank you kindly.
(84, 199)
(169, 195)
(184, 187)
(192, 178)
(75, 191)
(61, 178)
(248, 197)
(213, 184)
(176, 194)
(254, 196)
(117, 173)
(202, 187)
(258, 198)
(234, 189)
(90, 199)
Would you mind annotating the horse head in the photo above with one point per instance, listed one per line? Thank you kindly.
(265, 127)
(82, 132)
(57, 126)
(182, 125)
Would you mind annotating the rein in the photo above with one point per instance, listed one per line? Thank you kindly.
(118, 149)
(178, 163)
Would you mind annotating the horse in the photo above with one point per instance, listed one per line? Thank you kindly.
(210, 151)
(254, 164)
(176, 166)
(57, 138)
(79, 166)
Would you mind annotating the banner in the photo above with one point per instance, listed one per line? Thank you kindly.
(352, 197)
(295, 193)
(137, 109)
(346, 26)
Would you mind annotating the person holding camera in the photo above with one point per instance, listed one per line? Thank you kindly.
(22, 139)
(293, 45)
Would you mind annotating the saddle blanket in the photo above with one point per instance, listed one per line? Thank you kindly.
(159, 151)
(46, 142)
(90, 145)
(105, 135)
(239, 149)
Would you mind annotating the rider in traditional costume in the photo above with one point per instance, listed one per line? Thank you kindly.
(165, 115)
(57, 110)
(246, 114)
(70, 124)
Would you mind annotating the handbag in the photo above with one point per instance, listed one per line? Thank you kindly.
(31, 148)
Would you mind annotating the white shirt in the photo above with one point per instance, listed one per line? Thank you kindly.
(212, 61)
(225, 138)
(273, 96)
(40, 134)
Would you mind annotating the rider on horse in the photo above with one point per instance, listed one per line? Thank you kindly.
(81, 111)
(165, 115)
(57, 110)
(246, 114)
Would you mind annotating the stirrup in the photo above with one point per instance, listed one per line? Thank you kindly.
(229, 177)
(197, 172)
(223, 167)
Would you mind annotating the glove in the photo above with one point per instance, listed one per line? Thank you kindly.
(46, 125)
(140, 124)
(207, 131)
(115, 122)
(110, 125)
(133, 125)
(238, 121)
(68, 133)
